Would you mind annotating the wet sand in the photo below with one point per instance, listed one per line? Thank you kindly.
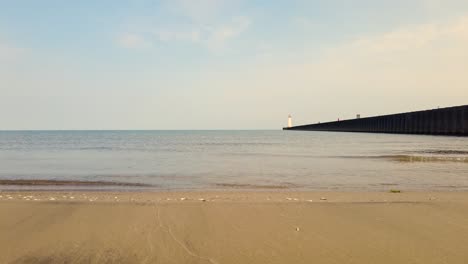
(233, 227)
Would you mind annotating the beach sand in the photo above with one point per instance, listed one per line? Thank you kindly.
(233, 227)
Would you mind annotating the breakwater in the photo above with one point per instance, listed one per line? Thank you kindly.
(441, 121)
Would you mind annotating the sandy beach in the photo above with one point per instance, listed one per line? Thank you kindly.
(233, 227)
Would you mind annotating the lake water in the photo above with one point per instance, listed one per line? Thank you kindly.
(176, 160)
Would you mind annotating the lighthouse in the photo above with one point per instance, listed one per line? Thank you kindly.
(289, 121)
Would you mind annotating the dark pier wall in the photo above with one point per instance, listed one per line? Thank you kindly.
(443, 121)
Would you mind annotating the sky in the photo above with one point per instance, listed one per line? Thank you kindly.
(226, 64)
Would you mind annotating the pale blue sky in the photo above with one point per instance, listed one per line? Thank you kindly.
(219, 64)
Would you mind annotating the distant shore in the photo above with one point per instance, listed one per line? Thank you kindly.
(233, 227)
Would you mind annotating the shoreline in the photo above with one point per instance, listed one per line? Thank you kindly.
(234, 195)
(46, 185)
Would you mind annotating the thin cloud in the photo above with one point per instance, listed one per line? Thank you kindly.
(413, 67)
(133, 41)
(219, 36)
(208, 24)
(165, 35)
(401, 40)
(213, 36)
(432, 56)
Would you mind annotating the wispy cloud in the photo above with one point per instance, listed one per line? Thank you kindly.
(432, 56)
(409, 45)
(167, 35)
(413, 67)
(223, 33)
(209, 24)
(133, 41)
(211, 36)
(401, 40)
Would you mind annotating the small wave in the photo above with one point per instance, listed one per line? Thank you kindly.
(442, 152)
(236, 144)
(413, 158)
(96, 148)
(273, 155)
(255, 186)
(388, 184)
(70, 183)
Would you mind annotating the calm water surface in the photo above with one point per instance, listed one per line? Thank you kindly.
(238, 159)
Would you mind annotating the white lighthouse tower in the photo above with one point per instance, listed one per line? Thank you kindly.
(289, 121)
